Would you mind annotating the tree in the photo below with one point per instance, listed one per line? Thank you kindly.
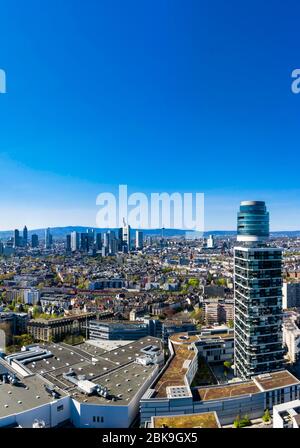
(194, 282)
(230, 323)
(227, 365)
(221, 282)
(241, 422)
(267, 416)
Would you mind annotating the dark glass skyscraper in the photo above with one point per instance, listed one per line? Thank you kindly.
(16, 238)
(258, 295)
(34, 241)
(25, 236)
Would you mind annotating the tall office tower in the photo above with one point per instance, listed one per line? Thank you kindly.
(106, 237)
(16, 238)
(257, 295)
(126, 234)
(98, 241)
(112, 242)
(120, 239)
(34, 241)
(84, 242)
(74, 241)
(68, 243)
(48, 239)
(25, 236)
(139, 239)
(91, 237)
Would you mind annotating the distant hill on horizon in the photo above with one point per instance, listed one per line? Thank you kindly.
(61, 232)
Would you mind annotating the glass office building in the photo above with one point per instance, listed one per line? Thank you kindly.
(258, 295)
(252, 222)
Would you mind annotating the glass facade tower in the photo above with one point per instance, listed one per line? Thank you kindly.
(257, 294)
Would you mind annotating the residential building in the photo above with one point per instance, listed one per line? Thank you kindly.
(290, 295)
(210, 244)
(31, 296)
(287, 415)
(258, 295)
(114, 331)
(57, 328)
(291, 335)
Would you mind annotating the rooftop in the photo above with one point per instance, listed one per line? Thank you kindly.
(258, 384)
(114, 368)
(174, 373)
(204, 420)
(230, 390)
(29, 393)
(58, 319)
(273, 380)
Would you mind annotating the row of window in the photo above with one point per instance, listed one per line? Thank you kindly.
(98, 419)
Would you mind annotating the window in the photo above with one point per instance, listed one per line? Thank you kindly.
(98, 419)
(60, 408)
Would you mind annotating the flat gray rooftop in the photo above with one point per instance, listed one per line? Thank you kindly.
(114, 369)
(30, 393)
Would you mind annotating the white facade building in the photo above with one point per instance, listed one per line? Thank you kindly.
(31, 296)
(287, 415)
(290, 295)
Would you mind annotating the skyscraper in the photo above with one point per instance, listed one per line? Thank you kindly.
(84, 242)
(120, 239)
(48, 239)
(113, 243)
(34, 240)
(25, 236)
(16, 238)
(98, 241)
(139, 239)
(74, 241)
(68, 243)
(126, 234)
(258, 295)
(106, 236)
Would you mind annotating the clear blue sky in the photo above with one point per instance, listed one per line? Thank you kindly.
(163, 96)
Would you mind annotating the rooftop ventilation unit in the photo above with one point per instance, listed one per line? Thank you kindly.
(51, 391)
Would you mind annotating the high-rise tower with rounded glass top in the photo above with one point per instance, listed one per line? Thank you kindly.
(257, 294)
(252, 222)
